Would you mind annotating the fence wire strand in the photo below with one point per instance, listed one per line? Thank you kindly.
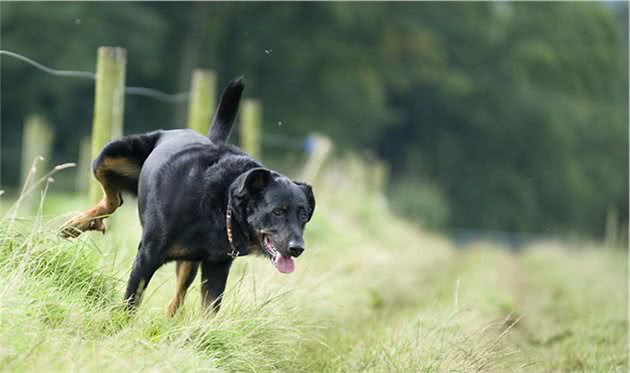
(136, 91)
(158, 95)
(49, 70)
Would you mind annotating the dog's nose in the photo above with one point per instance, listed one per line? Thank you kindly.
(296, 248)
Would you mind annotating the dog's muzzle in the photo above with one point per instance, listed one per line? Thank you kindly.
(283, 263)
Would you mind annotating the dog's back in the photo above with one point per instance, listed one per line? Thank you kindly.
(122, 160)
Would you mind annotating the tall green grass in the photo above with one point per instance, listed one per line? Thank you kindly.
(372, 293)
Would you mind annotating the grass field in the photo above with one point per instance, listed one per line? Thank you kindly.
(371, 293)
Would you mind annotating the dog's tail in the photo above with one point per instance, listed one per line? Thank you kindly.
(226, 112)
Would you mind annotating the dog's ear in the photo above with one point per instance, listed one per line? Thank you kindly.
(248, 185)
(310, 197)
(255, 181)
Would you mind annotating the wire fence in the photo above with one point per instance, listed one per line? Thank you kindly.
(138, 91)
(272, 140)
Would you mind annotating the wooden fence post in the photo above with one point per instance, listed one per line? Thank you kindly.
(380, 175)
(109, 99)
(84, 169)
(202, 100)
(251, 114)
(37, 138)
(319, 148)
(611, 238)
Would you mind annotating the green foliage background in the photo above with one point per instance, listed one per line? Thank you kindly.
(509, 116)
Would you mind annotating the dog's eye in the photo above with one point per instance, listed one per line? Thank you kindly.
(278, 212)
(303, 216)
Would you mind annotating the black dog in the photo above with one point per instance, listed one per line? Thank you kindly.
(200, 201)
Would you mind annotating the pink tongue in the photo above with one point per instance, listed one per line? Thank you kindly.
(285, 264)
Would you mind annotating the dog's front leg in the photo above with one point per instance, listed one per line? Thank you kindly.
(213, 278)
(144, 266)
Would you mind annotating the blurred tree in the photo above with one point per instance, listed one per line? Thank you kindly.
(515, 114)
(521, 128)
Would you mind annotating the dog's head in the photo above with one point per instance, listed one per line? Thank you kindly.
(276, 209)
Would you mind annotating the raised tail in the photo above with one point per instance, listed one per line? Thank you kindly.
(223, 119)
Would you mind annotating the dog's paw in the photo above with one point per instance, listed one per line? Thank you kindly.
(172, 307)
(81, 223)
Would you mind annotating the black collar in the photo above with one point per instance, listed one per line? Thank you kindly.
(228, 227)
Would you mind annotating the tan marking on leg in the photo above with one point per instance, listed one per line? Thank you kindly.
(183, 271)
(177, 252)
(140, 291)
(92, 219)
(121, 165)
(111, 197)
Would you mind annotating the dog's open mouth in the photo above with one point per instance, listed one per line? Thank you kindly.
(284, 264)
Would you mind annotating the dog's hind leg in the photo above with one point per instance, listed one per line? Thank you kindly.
(186, 272)
(117, 169)
(92, 219)
(213, 278)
